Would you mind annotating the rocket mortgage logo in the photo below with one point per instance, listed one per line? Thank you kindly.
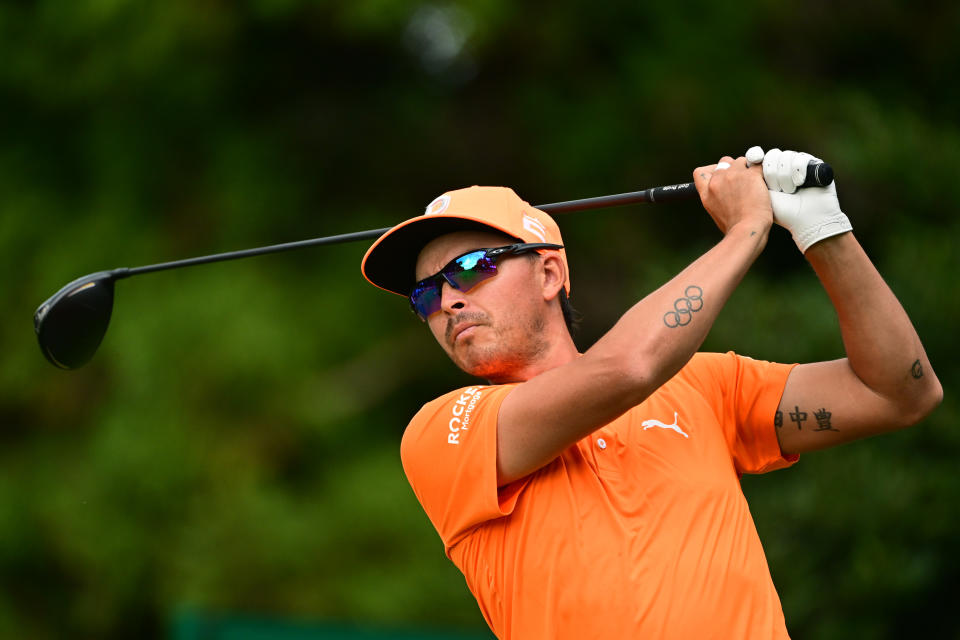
(461, 412)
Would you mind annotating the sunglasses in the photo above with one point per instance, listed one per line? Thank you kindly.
(464, 273)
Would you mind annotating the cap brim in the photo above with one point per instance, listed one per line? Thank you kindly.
(390, 263)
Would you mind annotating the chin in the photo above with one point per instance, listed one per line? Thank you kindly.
(491, 362)
(499, 355)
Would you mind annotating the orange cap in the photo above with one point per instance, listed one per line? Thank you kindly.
(391, 261)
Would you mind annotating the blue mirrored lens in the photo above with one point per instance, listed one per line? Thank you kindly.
(425, 298)
(476, 267)
(462, 273)
(470, 260)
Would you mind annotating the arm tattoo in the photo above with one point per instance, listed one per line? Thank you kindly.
(684, 307)
(916, 370)
(823, 420)
(778, 419)
(798, 416)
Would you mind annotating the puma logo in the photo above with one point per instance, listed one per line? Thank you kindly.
(646, 424)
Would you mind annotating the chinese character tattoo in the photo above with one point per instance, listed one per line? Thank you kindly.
(798, 416)
(823, 420)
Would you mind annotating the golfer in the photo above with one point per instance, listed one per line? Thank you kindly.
(597, 494)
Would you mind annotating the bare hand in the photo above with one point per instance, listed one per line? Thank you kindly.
(734, 195)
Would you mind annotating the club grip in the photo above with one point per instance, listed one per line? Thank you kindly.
(670, 193)
(819, 174)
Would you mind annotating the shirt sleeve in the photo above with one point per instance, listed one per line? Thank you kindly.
(749, 394)
(449, 454)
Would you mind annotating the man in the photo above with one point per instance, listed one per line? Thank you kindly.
(597, 495)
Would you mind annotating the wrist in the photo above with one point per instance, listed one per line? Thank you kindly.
(828, 249)
(756, 228)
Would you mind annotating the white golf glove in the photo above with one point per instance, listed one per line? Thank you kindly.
(811, 214)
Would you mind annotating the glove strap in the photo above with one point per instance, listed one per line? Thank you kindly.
(826, 228)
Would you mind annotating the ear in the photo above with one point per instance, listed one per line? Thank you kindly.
(554, 275)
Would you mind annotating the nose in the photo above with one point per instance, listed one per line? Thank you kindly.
(451, 298)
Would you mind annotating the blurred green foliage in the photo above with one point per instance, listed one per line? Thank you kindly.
(233, 446)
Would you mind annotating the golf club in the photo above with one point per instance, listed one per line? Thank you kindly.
(71, 324)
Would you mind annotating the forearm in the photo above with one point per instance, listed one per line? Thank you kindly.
(882, 346)
(659, 334)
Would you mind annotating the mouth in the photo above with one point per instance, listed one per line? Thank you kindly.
(462, 331)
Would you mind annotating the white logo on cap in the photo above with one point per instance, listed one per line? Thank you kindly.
(535, 227)
(438, 206)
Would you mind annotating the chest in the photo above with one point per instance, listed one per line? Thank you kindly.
(670, 442)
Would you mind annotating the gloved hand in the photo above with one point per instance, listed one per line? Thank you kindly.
(811, 214)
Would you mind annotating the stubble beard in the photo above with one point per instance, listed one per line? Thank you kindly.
(504, 355)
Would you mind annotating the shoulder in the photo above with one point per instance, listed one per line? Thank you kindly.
(722, 367)
(451, 398)
(707, 369)
(453, 411)
(729, 374)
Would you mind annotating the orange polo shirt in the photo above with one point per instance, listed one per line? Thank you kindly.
(639, 530)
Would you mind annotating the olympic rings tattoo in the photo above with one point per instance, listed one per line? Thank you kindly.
(684, 308)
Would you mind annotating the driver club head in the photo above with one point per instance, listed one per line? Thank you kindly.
(71, 324)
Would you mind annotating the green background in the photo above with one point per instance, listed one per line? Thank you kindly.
(233, 447)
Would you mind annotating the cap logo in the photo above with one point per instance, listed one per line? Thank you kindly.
(535, 227)
(438, 206)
